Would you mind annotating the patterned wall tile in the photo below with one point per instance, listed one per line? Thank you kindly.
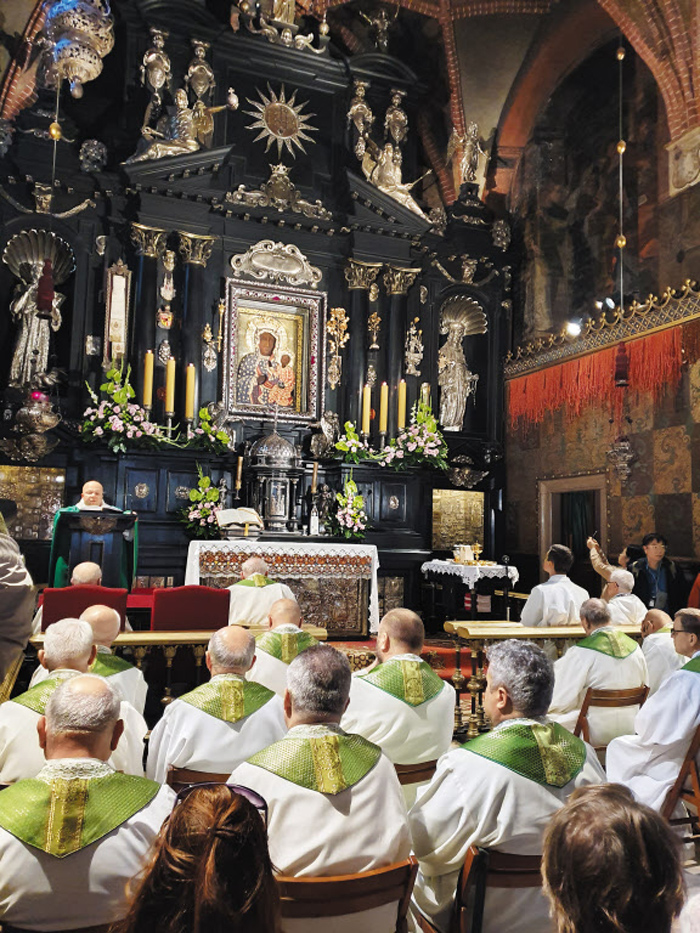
(672, 513)
(672, 407)
(696, 524)
(694, 390)
(641, 479)
(671, 461)
(637, 517)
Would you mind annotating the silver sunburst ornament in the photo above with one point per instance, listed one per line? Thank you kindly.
(280, 120)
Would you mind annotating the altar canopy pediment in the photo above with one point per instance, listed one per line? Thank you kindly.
(379, 210)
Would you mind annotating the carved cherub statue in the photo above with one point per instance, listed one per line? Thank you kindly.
(381, 22)
(323, 442)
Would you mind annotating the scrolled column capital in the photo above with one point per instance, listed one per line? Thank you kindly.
(397, 280)
(195, 249)
(149, 241)
(361, 275)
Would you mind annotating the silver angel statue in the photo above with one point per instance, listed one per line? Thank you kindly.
(460, 317)
(31, 353)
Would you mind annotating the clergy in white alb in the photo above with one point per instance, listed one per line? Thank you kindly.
(68, 650)
(556, 602)
(659, 650)
(276, 649)
(252, 597)
(499, 791)
(72, 837)
(625, 608)
(401, 704)
(105, 623)
(16, 603)
(649, 761)
(221, 723)
(334, 801)
(606, 659)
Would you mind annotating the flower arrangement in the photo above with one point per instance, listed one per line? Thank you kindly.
(420, 444)
(352, 448)
(116, 420)
(349, 520)
(199, 517)
(206, 437)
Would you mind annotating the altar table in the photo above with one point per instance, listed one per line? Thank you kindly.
(335, 584)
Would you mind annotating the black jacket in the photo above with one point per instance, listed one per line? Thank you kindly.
(676, 585)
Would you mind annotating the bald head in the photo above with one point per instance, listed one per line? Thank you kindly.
(400, 632)
(231, 650)
(251, 566)
(654, 620)
(86, 574)
(285, 612)
(93, 494)
(105, 623)
(81, 720)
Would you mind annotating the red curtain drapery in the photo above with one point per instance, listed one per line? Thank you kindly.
(654, 365)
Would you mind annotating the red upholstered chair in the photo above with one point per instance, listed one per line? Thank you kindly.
(189, 608)
(69, 601)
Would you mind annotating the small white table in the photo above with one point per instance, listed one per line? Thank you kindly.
(470, 573)
(326, 578)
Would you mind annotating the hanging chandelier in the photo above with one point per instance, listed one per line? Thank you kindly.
(80, 34)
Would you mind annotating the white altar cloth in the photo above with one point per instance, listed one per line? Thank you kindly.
(469, 573)
(288, 561)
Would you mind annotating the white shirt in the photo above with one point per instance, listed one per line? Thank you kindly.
(581, 668)
(406, 734)
(662, 660)
(187, 737)
(41, 892)
(311, 833)
(21, 756)
(475, 801)
(626, 609)
(648, 762)
(556, 602)
(250, 605)
(131, 683)
(269, 671)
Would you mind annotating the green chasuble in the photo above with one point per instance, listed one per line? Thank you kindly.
(693, 666)
(542, 752)
(107, 664)
(60, 572)
(37, 697)
(284, 646)
(255, 579)
(228, 697)
(319, 759)
(414, 682)
(61, 816)
(612, 643)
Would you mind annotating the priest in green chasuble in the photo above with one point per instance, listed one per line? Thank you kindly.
(401, 704)
(334, 801)
(72, 837)
(276, 649)
(91, 500)
(222, 723)
(606, 659)
(499, 791)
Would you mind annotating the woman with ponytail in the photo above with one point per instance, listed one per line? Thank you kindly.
(210, 871)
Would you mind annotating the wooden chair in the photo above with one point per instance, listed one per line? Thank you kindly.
(608, 699)
(416, 773)
(486, 868)
(337, 895)
(690, 795)
(67, 602)
(178, 778)
(189, 608)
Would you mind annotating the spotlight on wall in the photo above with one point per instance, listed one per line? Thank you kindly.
(573, 327)
(610, 303)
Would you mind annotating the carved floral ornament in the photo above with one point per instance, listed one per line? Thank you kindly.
(195, 249)
(149, 241)
(276, 262)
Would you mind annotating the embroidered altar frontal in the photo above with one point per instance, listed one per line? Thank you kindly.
(335, 584)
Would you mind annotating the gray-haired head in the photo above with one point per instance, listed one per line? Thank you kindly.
(253, 565)
(595, 612)
(68, 643)
(82, 704)
(525, 672)
(231, 650)
(318, 681)
(86, 574)
(624, 580)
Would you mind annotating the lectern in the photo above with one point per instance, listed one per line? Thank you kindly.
(107, 538)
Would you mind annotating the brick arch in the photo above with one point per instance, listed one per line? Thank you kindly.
(18, 88)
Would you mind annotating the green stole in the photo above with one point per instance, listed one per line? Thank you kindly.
(614, 644)
(693, 666)
(228, 698)
(414, 682)
(284, 646)
(255, 579)
(65, 815)
(37, 697)
(107, 664)
(328, 762)
(545, 753)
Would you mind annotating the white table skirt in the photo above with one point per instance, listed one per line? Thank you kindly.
(469, 574)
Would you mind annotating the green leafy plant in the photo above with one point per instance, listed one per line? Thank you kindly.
(349, 519)
(116, 420)
(352, 448)
(199, 517)
(206, 437)
(420, 444)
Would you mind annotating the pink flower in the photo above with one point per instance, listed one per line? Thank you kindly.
(117, 410)
(412, 446)
(99, 432)
(138, 433)
(399, 453)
